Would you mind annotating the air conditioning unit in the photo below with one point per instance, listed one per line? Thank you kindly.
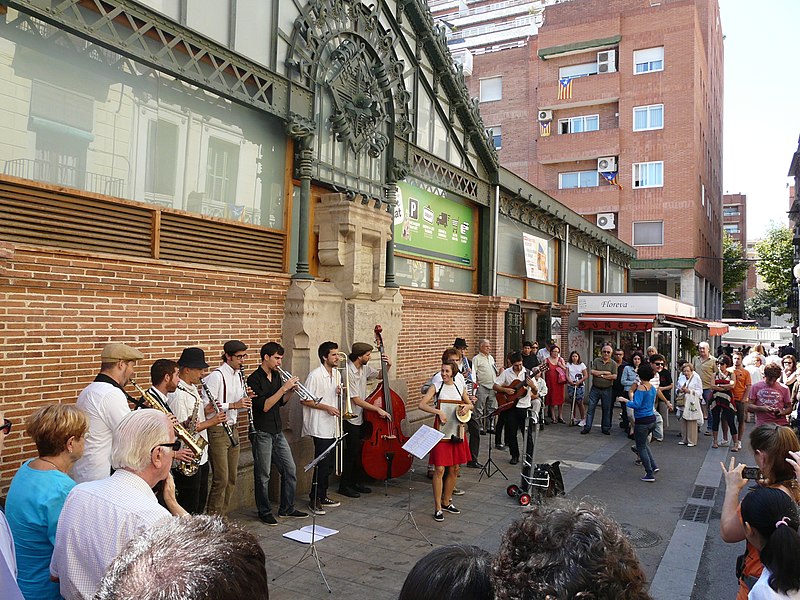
(606, 164)
(607, 61)
(545, 115)
(606, 221)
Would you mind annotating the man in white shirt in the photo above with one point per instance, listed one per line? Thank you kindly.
(191, 410)
(485, 370)
(100, 517)
(105, 403)
(225, 385)
(320, 422)
(359, 372)
(530, 400)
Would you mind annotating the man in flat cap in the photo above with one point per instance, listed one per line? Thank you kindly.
(359, 372)
(226, 384)
(105, 403)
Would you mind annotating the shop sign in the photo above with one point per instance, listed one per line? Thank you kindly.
(433, 227)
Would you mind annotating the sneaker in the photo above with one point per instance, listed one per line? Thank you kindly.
(499, 447)
(582, 422)
(648, 478)
(268, 520)
(725, 443)
(327, 502)
(451, 508)
(438, 516)
(458, 492)
(295, 514)
(656, 470)
(316, 508)
(691, 445)
(739, 446)
(682, 443)
(349, 492)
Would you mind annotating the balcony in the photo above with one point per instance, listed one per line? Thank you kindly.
(589, 200)
(577, 146)
(58, 174)
(586, 91)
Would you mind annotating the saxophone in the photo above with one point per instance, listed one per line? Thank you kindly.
(190, 468)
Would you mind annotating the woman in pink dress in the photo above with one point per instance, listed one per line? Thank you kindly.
(555, 388)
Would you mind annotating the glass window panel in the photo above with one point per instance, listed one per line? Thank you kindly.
(491, 89)
(592, 123)
(649, 59)
(616, 279)
(568, 180)
(540, 291)
(639, 119)
(576, 125)
(589, 179)
(511, 260)
(648, 233)
(581, 269)
(648, 174)
(578, 70)
(452, 279)
(411, 273)
(657, 116)
(508, 286)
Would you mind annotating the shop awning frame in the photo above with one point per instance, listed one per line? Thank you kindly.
(714, 327)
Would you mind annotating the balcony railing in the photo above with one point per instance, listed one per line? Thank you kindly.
(58, 174)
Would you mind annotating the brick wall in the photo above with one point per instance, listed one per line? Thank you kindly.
(58, 309)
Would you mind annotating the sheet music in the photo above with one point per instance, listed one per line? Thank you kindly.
(305, 534)
(423, 441)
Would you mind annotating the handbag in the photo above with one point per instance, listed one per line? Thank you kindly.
(561, 374)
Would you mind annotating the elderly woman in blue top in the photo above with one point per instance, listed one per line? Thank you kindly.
(643, 405)
(38, 492)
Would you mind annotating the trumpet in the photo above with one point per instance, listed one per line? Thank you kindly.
(299, 388)
(195, 445)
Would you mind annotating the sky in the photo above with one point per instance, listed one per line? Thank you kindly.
(761, 120)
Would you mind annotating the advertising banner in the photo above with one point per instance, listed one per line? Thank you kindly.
(433, 227)
(535, 256)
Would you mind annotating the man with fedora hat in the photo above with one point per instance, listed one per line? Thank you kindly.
(105, 403)
(225, 385)
(269, 445)
(359, 372)
(187, 404)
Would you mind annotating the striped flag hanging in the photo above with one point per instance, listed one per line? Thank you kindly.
(544, 128)
(611, 177)
(565, 88)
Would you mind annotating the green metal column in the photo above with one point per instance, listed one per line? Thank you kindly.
(301, 130)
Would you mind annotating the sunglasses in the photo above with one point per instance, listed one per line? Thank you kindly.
(176, 445)
(6, 428)
(658, 364)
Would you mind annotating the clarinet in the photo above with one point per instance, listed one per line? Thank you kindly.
(217, 405)
(251, 428)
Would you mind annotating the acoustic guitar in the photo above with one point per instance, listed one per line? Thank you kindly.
(508, 401)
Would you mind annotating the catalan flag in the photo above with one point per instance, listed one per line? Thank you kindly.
(544, 128)
(611, 177)
(565, 88)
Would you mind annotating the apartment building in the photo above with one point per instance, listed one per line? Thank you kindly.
(734, 223)
(615, 109)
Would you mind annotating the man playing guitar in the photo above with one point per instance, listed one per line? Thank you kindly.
(521, 390)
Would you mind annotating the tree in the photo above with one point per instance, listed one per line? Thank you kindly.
(775, 263)
(734, 268)
(759, 306)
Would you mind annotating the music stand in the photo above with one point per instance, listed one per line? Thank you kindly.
(490, 467)
(312, 547)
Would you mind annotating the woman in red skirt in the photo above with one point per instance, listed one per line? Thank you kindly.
(555, 384)
(453, 450)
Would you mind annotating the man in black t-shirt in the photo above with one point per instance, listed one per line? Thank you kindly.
(269, 444)
(664, 396)
(529, 358)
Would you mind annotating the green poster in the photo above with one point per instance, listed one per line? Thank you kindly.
(433, 227)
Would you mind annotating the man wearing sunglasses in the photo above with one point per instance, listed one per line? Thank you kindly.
(100, 517)
(105, 403)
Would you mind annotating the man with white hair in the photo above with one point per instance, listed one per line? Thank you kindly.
(100, 517)
(485, 370)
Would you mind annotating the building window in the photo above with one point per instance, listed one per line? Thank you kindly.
(730, 211)
(574, 71)
(491, 89)
(648, 117)
(731, 228)
(647, 60)
(579, 124)
(648, 233)
(579, 179)
(648, 174)
(222, 170)
(497, 135)
(162, 158)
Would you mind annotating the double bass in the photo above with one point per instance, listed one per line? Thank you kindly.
(382, 454)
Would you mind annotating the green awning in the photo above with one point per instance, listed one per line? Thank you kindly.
(664, 263)
(545, 53)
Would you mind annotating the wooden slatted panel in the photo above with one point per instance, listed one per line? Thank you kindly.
(30, 214)
(572, 296)
(189, 238)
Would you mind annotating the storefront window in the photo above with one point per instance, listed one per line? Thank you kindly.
(511, 257)
(411, 273)
(452, 279)
(509, 286)
(540, 291)
(581, 270)
(616, 279)
(117, 128)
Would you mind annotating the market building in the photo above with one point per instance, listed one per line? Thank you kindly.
(178, 173)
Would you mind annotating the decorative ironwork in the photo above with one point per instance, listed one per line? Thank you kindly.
(522, 210)
(448, 177)
(341, 46)
(134, 31)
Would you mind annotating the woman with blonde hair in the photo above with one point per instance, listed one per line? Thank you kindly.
(38, 492)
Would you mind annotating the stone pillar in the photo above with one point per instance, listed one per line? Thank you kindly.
(301, 130)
